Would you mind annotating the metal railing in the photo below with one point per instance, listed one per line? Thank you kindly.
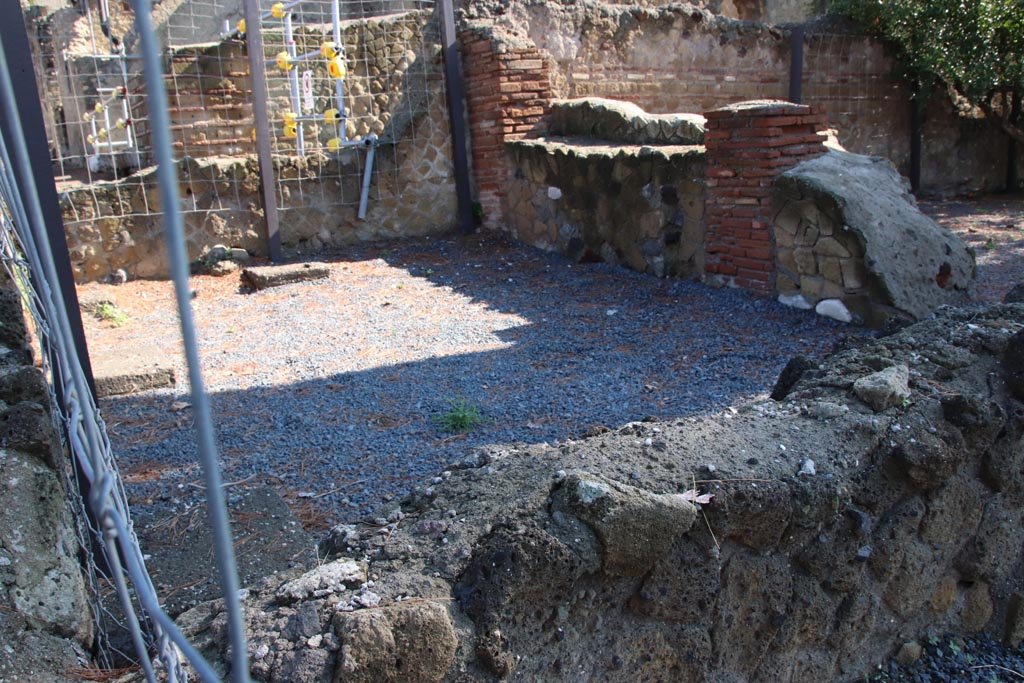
(28, 255)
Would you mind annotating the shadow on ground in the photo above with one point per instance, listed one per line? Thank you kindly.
(583, 347)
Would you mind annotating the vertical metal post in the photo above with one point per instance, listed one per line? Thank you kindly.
(293, 82)
(455, 91)
(796, 65)
(1012, 172)
(261, 119)
(339, 84)
(915, 142)
(19, 58)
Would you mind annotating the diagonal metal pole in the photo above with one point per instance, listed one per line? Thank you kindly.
(174, 234)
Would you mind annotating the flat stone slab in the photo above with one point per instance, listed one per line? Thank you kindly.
(263, 277)
(624, 122)
(130, 374)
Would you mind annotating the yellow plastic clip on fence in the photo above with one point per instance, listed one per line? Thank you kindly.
(119, 124)
(277, 10)
(291, 131)
(99, 108)
(334, 144)
(331, 117)
(328, 50)
(284, 61)
(102, 134)
(336, 68)
(241, 26)
(90, 139)
(290, 118)
(87, 117)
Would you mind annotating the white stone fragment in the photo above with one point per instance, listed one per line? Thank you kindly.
(807, 469)
(835, 309)
(554, 193)
(795, 301)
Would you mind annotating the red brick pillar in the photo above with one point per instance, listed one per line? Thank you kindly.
(748, 144)
(508, 91)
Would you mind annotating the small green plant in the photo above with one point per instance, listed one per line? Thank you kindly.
(110, 313)
(461, 416)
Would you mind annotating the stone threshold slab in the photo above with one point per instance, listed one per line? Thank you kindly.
(264, 277)
(130, 375)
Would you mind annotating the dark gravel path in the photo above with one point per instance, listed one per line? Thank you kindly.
(958, 660)
(331, 388)
(994, 228)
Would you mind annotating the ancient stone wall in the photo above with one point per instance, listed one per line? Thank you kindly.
(638, 206)
(748, 145)
(209, 100)
(45, 619)
(507, 95)
(679, 58)
(392, 92)
(850, 242)
(113, 225)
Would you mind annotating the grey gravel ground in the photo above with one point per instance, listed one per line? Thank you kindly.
(331, 388)
(958, 660)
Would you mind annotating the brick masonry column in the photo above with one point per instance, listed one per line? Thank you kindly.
(508, 91)
(748, 145)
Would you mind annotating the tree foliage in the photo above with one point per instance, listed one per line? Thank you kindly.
(975, 48)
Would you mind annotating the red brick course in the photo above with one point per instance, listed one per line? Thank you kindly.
(747, 146)
(508, 91)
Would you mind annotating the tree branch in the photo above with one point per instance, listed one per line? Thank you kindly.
(1003, 121)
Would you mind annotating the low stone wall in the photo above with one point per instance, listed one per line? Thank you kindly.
(638, 206)
(45, 619)
(879, 500)
(763, 205)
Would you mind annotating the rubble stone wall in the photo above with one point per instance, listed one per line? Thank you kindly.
(400, 97)
(45, 618)
(641, 207)
(877, 501)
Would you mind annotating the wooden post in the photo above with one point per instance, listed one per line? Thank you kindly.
(19, 60)
(261, 119)
(915, 143)
(796, 65)
(455, 91)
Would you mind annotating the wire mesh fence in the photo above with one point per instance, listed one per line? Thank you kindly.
(851, 76)
(356, 96)
(358, 121)
(123, 595)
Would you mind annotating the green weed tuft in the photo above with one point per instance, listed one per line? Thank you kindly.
(461, 416)
(110, 313)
